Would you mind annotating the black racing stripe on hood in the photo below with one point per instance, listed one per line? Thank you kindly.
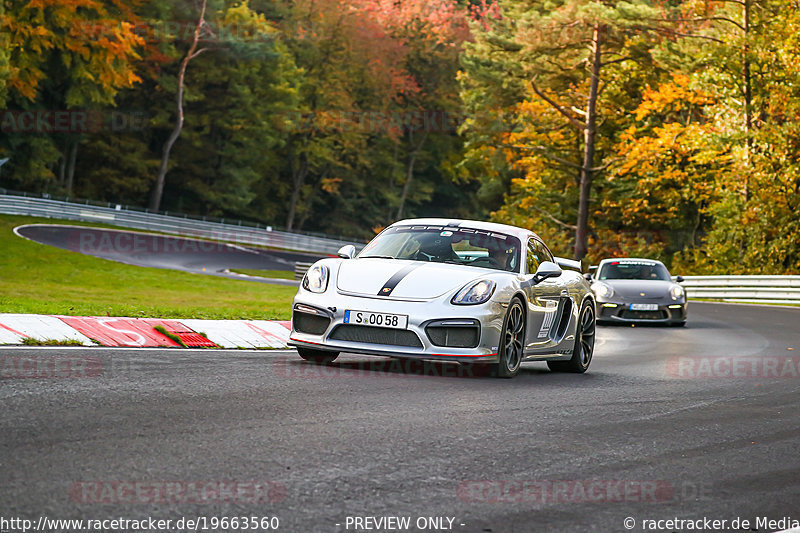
(398, 276)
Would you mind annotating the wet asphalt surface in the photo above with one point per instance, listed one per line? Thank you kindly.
(162, 251)
(669, 423)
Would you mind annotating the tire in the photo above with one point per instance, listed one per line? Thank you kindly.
(512, 342)
(584, 343)
(678, 324)
(320, 357)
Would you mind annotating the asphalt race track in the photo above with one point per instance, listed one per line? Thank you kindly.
(669, 423)
(163, 251)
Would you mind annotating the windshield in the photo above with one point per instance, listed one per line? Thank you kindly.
(634, 270)
(443, 244)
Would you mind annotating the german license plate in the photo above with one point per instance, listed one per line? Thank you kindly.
(644, 307)
(383, 320)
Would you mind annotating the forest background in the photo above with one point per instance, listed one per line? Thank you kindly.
(667, 129)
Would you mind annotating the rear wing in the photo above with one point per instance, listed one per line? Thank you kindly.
(569, 264)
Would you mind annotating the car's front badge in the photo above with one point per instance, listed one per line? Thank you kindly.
(398, 276)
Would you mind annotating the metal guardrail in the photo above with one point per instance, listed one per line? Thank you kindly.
(752, 289)
(749, 289)
(185, 226)
(300, 269)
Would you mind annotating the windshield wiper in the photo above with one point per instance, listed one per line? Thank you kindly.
(378, 257)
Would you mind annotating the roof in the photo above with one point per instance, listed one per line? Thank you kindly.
(520, 233)
(632, 260)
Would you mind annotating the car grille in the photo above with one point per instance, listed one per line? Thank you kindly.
(372, 335)
(454, 337)
(308, 323)
(643, 315)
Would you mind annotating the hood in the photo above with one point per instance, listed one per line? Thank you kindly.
(410, 279)
(633, 288)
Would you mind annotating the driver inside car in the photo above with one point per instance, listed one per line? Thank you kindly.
(436, 247)
(501, 256)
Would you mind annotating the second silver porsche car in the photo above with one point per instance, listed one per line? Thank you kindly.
(638, 290)
(452, 290)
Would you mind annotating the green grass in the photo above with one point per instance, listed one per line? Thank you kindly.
(175, 338)
(35, 278)
(30, 341)
(279, 274)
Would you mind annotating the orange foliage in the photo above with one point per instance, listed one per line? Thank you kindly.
(97, 42)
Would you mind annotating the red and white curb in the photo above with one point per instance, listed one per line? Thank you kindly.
(142, 332)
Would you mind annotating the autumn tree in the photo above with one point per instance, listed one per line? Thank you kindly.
(433, 34)
(63, 55)
(750, 61)
(379, 78)
(559, 54)
(5, 68)
(664, 180)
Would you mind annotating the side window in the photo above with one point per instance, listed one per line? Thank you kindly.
(537, 253)
(533, 257)
(543, 253)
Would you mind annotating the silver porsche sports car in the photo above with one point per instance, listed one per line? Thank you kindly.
(449, 290)
(638, 290)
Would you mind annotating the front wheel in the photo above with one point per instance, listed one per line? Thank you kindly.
(512, 342)
(320, 357)
(584, 344)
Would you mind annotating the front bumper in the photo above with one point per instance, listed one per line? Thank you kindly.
(621, 312)
(318, 319)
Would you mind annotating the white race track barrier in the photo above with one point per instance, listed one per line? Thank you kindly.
(748, 289)
(15, 328)
(116, 331)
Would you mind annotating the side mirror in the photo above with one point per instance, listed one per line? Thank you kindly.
(679, 279)
(588, 277)
(347, 252)
(545, 271)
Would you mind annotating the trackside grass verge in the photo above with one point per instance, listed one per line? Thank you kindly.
(30, 341)
(40, 279)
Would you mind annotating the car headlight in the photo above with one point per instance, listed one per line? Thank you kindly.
(475, 293)
(602, 290)
(677, 292)
(316, 279)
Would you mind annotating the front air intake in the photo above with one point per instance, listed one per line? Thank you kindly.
(307, 323)
(454, 333)
(373, 335)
